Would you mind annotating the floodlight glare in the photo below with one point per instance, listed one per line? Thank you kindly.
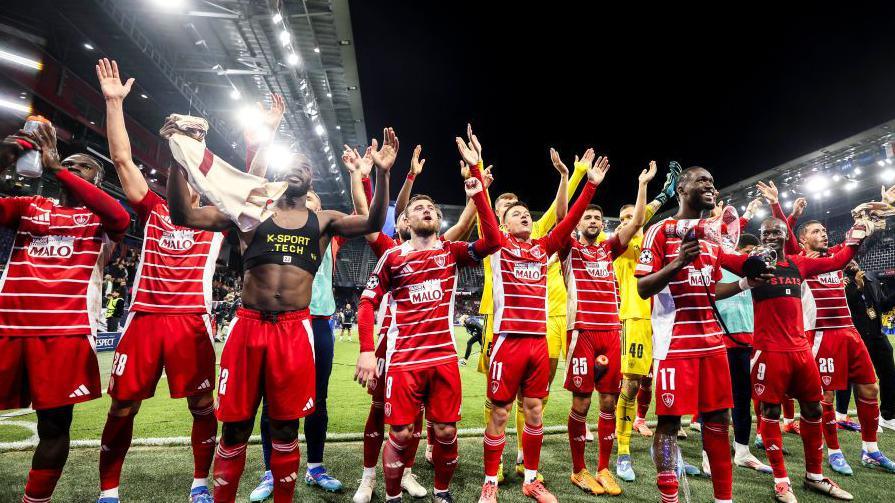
(816, 183)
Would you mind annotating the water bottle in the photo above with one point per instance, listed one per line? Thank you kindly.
(29, 164)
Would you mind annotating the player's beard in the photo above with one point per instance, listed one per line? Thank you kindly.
(590, 236)
(426, 228)
(404, 234)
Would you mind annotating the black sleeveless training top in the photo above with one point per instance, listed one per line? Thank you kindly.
(787, 282)
(273, 244)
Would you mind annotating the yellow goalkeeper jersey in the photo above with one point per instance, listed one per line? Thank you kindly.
(632, 306)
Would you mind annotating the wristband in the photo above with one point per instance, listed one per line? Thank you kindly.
(410, 175)
(744, 284)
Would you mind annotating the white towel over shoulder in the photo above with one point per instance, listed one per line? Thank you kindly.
(247, 199)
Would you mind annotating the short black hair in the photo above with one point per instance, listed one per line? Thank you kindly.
(594, 207)
(803, 229)
(517, 203)
(624, 207)
(747, 240)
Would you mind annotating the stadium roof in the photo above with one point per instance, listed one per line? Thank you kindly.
(214, 58)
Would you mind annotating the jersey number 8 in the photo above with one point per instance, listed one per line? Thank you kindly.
(118, 364)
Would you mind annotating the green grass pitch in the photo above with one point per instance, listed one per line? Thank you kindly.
(163, 474)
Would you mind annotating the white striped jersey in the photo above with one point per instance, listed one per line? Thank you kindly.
(593, 299)
(824, 306)
(176, 264)
(684, 324)
(421, 284)
(52, 284)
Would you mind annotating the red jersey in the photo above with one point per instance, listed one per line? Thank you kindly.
(590, 281)
(52, 284)
(684, 324)
(176, 263)
(422, 284)
(778, 304)
(382, 244)
(823, 299)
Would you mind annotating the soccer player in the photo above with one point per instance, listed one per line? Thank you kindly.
(474, 329)
(691, 373)
(50, 298)
(595, 333)
(520, 360)
(421, 360)
(269, 351)
(346, 317)
(637, 335)
(168, 328)
(840, 354)
(781, 363)
(556, 294)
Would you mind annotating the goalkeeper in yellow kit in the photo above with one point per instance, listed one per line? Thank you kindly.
(556, 296)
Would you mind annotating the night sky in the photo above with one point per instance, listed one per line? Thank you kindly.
(738, 94)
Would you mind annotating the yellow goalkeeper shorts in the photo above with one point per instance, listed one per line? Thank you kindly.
(637, 346)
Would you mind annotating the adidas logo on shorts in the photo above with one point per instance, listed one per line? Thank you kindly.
(309, 405)
(81, 391)
(205, 385)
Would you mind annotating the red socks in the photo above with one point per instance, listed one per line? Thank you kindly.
(40, 485)
(203, 438)
(773, 445)
(577, 440)
(830, 435)
(393, 465)
(444, 457)
(667, 483)
(868, 416)
(756, 407)
(414, 442)
(813, 443)
(532, 438)
(493, 452)
(284, 460)
(229, 463)
(716, 442)
(789, 409)
(644, 396)
(606, 433)
(373, 435)
(116, 440)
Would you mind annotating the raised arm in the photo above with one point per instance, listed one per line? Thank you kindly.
(132, 181)
(813, 266)
(798, 208)
(489, 241)
(668, 190)
(259, 136)
(626, 232)
(359, 169)
(769, 192)
(416, 167)
(183, 213)
(460, 231)
(541, 226)
(560, 234)
(561, 201)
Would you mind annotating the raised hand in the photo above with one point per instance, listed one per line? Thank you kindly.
(471, 152)
(110, 81)
(416, 164)
(272, 117)
(718, 209)
(558, 164)
(472, 186)
(798, 208)
(647, 175)
(754, 206)
(586, 161)
(597, 173)
(769, 192)
(384, 158)
(487, 176)
(888, 195)
(671, 179)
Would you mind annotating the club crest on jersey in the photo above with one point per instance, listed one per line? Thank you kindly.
(577, 381)
(166, 219)
(827, 380)
(177, 240)
(373, 282)
(536, 251)
(81, 218)
(598, 269)
(646, 257)
(51, 246)
(440, 261)
(668, 399)
(373, 383)
(495, 385)
(829, 279)
(388, 409)
(529, 271)
(759, 389)
(427, 291)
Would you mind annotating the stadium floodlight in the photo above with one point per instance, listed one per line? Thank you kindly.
(743, 208)
(857, 171)
(761, 213)
(285, 37)
(836, 178)
(320, 130)
(784, 194)
(235, 94)
(169, 4)
(887, 175)
(277, 17)
(15, 106)
(88, 46)
(338, 127)
(787, 204)
(143, 95)
(293, 59)
(827, 193)
(851, 185)
(816, 183)
(317, 50)
(20, 60)
(153, 171)
(278, 157)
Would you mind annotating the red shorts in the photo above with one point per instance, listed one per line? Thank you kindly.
(841, 358)
(48, 372)
(690, 385)
(273, 357)
(520, 363)
(584, 348)
(375, 386)
(181, 344)
(437, 388)
(778, 375)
